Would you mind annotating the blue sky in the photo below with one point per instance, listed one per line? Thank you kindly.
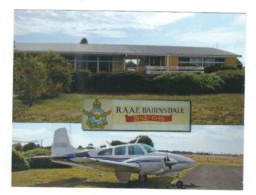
(202, 138)
(221, 30)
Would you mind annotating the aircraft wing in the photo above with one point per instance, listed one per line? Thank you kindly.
(107, 165)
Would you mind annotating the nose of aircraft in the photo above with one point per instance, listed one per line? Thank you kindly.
(191, 162)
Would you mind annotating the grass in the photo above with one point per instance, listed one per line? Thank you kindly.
(214, 109)
(220, 160)
(78, 177)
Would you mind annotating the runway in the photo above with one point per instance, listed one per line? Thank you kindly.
(214, 178)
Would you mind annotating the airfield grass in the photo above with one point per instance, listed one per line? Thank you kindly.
(78, 177)
(214, 109)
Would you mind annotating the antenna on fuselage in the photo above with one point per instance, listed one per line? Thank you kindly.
(109, 145)
(137, 140)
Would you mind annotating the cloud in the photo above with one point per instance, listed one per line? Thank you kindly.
(99, 23)
(222, 35)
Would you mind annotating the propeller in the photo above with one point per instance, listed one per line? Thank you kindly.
(169, 161)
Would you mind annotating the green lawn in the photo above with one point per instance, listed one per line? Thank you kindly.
(78, 177)
(214, 109)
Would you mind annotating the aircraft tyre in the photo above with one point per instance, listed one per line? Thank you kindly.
(179, 184)
(143, 178)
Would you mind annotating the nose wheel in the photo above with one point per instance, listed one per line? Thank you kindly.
(179, 183)
(143, 178)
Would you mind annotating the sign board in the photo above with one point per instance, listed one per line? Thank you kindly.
(136, 115)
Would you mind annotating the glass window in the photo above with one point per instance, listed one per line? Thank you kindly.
(92, 66)
(92, 58)
(184, 59)
(115, 66)
(81, 58)
(120, 150)
(195, 60)
(105, 66)
(104, 58)
(106, 152)
(135, 150)
(222, 60)
(80, 65)
(149, 148)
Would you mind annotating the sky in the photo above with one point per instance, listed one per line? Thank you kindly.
(202, 138)
(225, 31)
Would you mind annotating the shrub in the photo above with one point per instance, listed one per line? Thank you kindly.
(19, 109)
(120, 82)
(81, 81)
(18, 161)
(59, 73)
(187, 83)
(218, 67)
(233, 80)
(42, 163)
(29, 146)
(29, 78)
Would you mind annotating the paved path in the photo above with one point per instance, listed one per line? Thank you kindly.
(214, 178)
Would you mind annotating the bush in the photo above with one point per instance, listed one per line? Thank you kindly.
(29, 78)
(29, 146)
(41, 163)
(18, 162)
(120, 82)
(233, 80)
(59, 73)
(18, 147)
(218, 67)
(187, 83)
(81, 81)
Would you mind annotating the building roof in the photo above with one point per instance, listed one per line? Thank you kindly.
(132, 50)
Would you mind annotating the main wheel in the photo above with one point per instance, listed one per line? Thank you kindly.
(179, 184)
(143, 177)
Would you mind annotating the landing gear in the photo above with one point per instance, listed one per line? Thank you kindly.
(143, 177)
(179, 183)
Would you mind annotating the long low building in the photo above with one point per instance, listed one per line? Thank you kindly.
(111, 58)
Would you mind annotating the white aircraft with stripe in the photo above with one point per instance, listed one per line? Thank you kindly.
(122, 159)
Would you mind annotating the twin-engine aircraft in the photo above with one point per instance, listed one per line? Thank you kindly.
(122, 159)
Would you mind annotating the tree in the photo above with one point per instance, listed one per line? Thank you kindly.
(18, 147)
(18, 161)
(116, 142)
(29, 79)
(239, 64)
(29, 146)
(58, 72)
(143, 139)
(84, 41)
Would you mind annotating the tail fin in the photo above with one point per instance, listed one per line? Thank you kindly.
(61, 144)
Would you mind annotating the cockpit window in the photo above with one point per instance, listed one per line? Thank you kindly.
(106, 152)
(120, 150)
(135, 150)
(149, 148)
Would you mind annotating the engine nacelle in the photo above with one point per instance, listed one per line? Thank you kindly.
(150, 164)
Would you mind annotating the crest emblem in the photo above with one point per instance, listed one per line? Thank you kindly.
(97, 117)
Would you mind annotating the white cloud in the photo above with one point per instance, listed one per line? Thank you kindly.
(100, 23)
(224, 36)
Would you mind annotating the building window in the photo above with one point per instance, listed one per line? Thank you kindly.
(153, 61)
(95, 63)
(200, 61)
